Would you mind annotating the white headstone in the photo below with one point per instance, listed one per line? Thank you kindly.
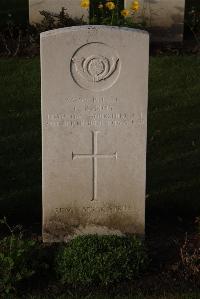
(94, 127)
(165, 18)
(73, 9)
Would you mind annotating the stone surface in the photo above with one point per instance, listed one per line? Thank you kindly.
(165, 17)
(73, 8)
(94, 126)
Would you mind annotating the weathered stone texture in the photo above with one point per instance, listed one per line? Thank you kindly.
(94, 128)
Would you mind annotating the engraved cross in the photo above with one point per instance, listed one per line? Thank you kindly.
(94, 156)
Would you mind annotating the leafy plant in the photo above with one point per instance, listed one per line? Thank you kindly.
(190, 260)
(13, 38)
(104, 12)
(56, 20)
(16, 39)
(52, 21)
(17, 258)
(188, 266)
(100, 259)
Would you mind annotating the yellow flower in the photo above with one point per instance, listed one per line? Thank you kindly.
(85, 3)
(125, 12)
(135, 5)
(100, 6)
(110, 5)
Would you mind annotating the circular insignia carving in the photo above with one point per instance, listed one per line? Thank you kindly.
(95, 66)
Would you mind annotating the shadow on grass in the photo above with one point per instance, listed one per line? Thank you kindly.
(173, 164)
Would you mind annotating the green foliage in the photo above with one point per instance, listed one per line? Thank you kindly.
(14, 39)
(177, 295)
(98, 16)
(101, 260)
(17, 259)
(52, 21)
(104, 16)
(189, 265)
(56, 20)
(173, 149)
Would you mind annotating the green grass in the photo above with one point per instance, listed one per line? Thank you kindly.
(20, 151)
(177, 296)
(173, 164)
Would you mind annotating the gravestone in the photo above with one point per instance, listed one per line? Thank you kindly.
(165, 18)
(73, 9)
(94, 126)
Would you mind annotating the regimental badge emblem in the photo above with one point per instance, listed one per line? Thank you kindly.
(95, 66)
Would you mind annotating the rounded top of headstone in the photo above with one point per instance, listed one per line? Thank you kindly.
(92, 28)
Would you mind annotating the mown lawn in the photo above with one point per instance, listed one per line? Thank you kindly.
(173, 164)
(20, 151)
(177, 296)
